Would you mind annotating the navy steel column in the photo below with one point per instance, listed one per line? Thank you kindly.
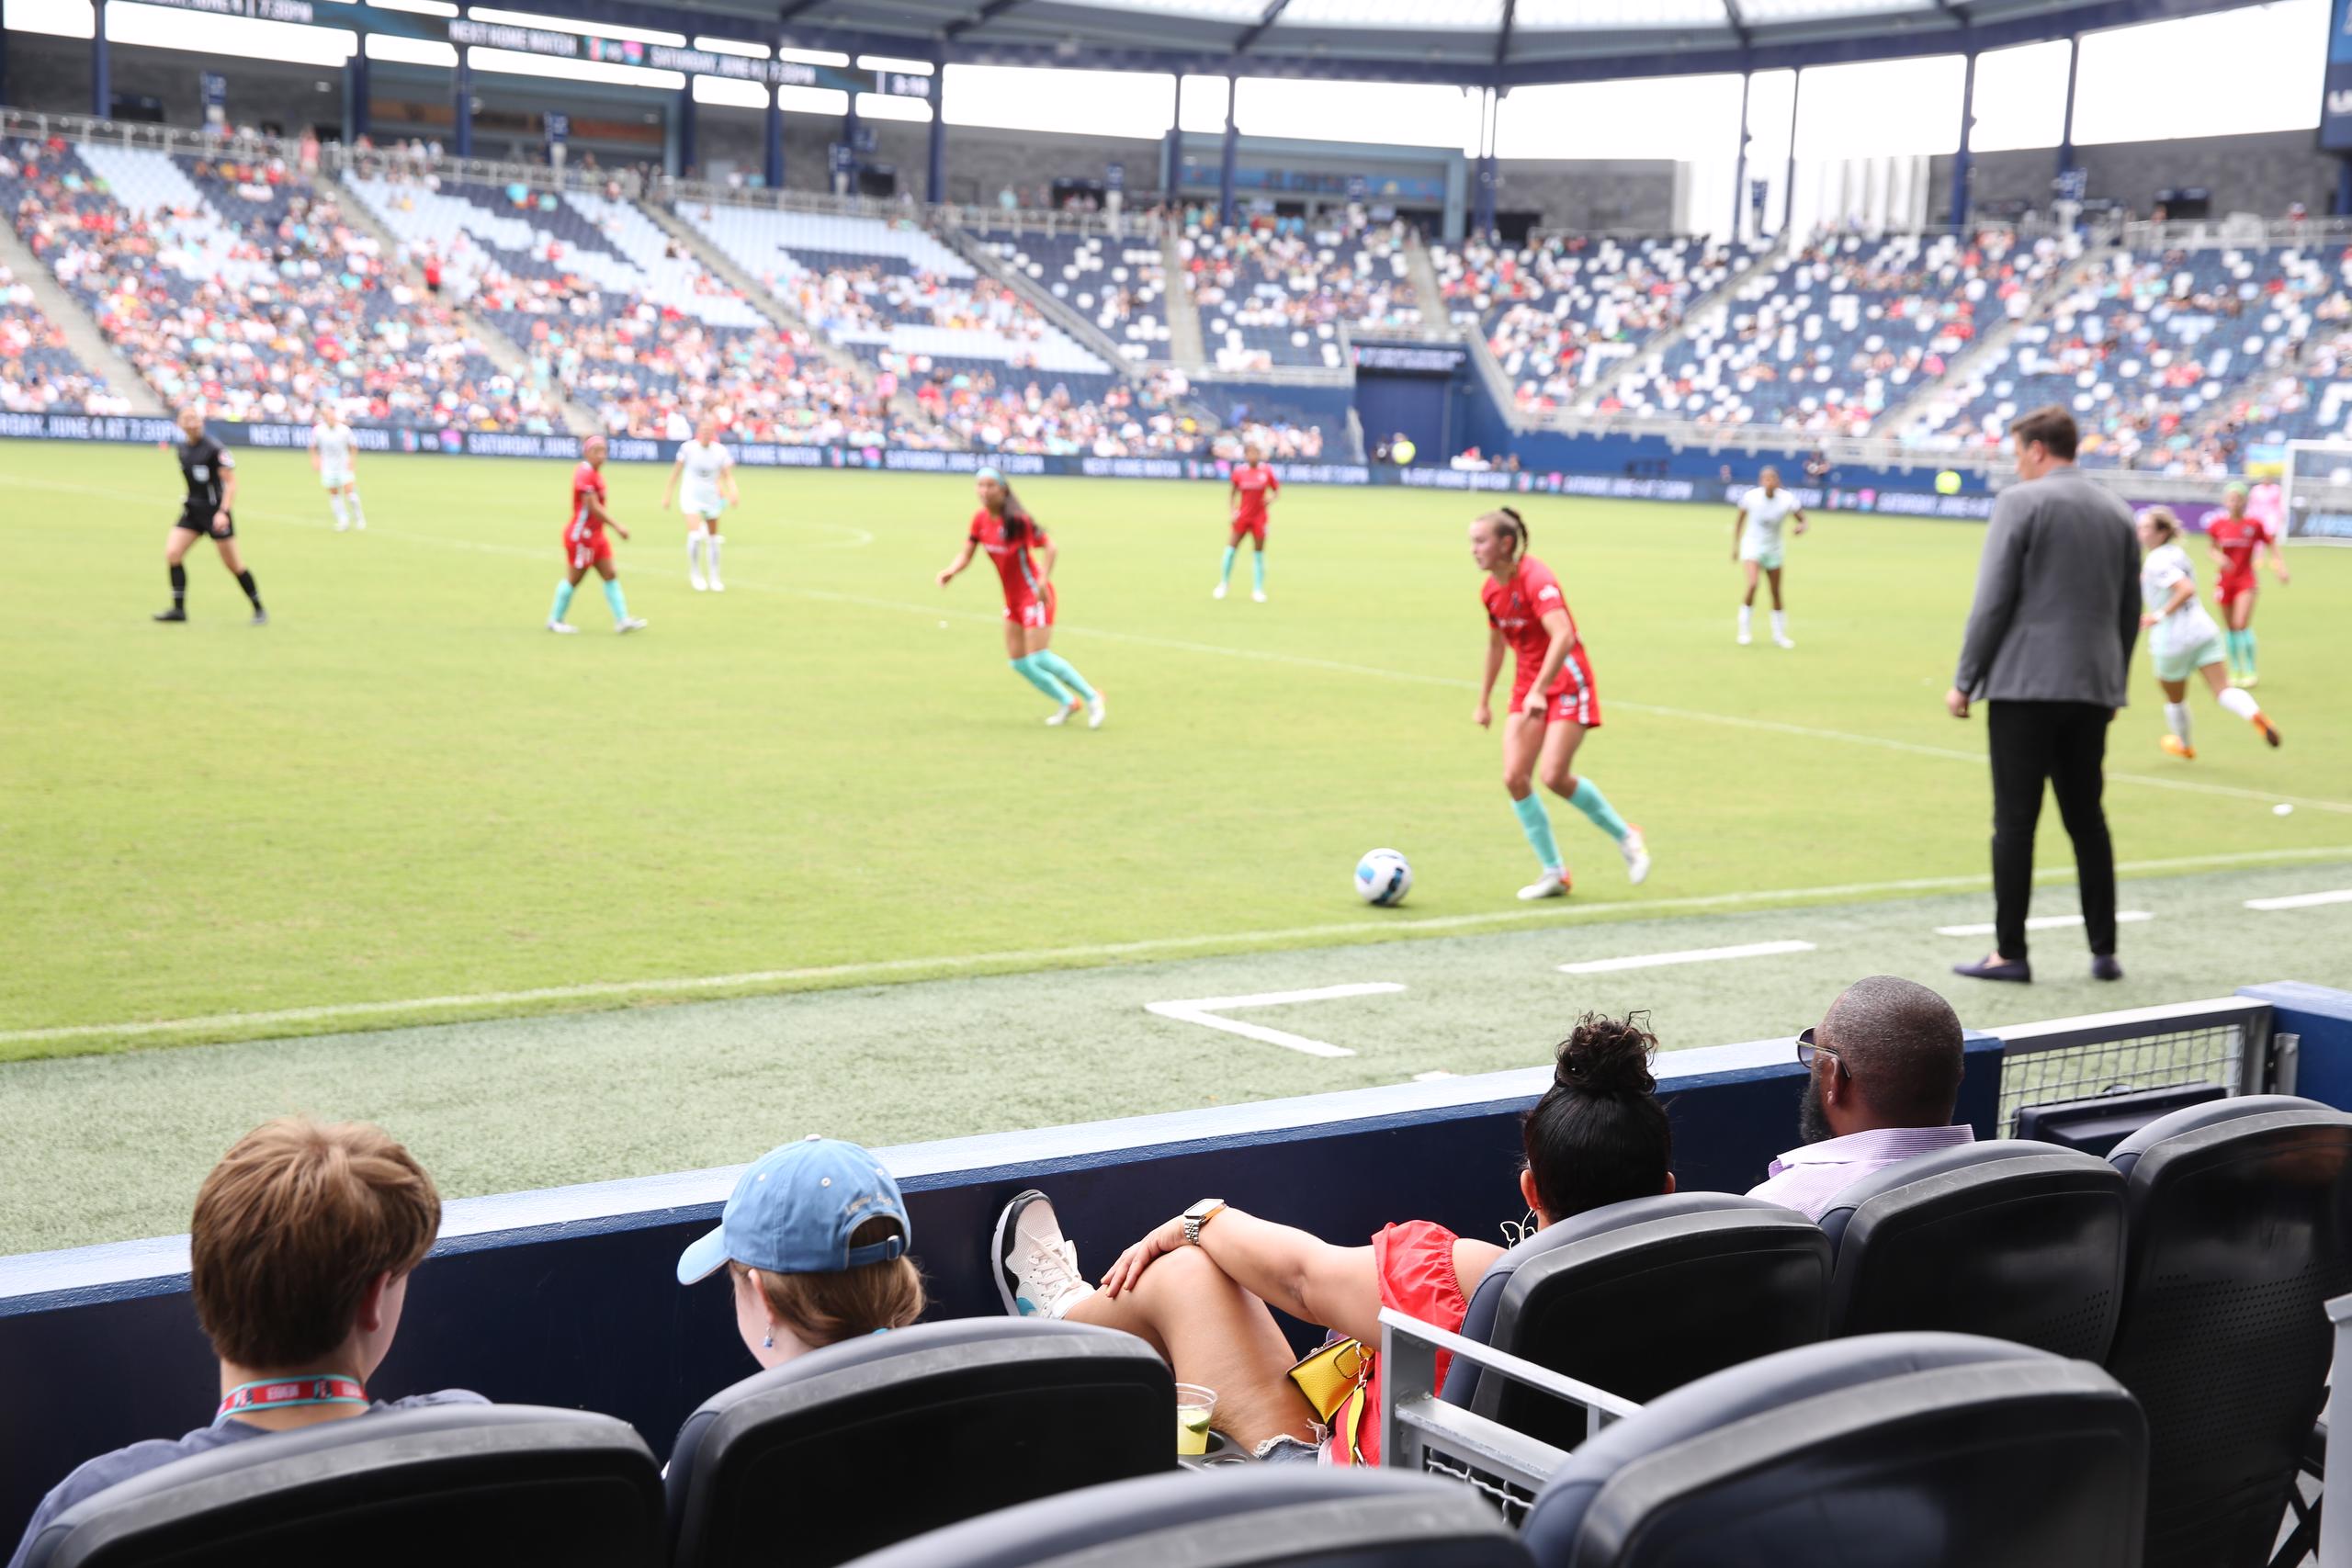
(849, 140)
(773, 169)
(935, 185)
(356, 94)
(1789, 180)
(2066, 131)
(1482, 200)
(101, 83)
(1739, 160)
(2344, 189)
(462, 139)
(1232, 153)
(1960, 164)
(687, 129)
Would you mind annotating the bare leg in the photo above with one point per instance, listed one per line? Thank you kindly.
(1215, 1334)
(1772, 574)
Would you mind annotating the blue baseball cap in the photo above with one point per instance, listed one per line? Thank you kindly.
(794, 1210)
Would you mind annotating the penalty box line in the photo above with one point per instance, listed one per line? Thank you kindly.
(1141, 948)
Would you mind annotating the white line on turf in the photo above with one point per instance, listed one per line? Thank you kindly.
(2303, 900)
(1205, 1010)
(2046, 923)
(1141, 948)
(1690, 955)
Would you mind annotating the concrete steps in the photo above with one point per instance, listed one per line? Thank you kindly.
(1184, 342)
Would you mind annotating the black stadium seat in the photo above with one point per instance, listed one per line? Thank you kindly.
(2238, 1211)
(452, 1487)
(851, 1447)
(1659, 1273)
(1894, 1450)
(1239, 1515)
(2013, 1240)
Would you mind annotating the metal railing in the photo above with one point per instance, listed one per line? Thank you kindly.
(2226, 1041)
(1420, 1431)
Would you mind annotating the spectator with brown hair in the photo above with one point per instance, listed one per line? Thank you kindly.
(300, 1255)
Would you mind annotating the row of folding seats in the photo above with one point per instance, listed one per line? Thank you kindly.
(2195, 1261)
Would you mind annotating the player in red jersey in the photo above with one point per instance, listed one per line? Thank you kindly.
(1004, 528)
(1553, 700)
(1253, 485)
(584, 543)
(2238, 539)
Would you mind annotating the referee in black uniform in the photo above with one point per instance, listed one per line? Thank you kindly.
(211, 476)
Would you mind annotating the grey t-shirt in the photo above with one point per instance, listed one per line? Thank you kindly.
(112, 1470)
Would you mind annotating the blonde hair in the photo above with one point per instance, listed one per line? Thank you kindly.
(1503, 519)
(2162, 520)
(824, 1309)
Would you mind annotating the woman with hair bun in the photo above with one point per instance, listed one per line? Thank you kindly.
(1552, 701)
(1198, 1287)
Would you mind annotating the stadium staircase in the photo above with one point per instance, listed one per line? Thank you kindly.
(496, 346)
(1656, 348)
(82, 334)
(1426, 292)
(764, 299)
(1991, 345)
(1046, 303)
(1185, 344)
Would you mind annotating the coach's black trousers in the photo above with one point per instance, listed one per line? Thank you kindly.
(2065, 743)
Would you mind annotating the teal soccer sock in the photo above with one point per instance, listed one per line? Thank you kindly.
(1027, 669)
(1225, 574)
(1588, 798)
(1536, 823)
(562, 601)
(613, 597)
(1061, 668)
(2246, 641)
(1258, 570)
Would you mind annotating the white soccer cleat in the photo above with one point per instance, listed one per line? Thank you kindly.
(361, 525)
(1745, 639)
(565, 628)
(700, 585)
(343, 526)
(1553, 884)
(1061, 716)
(1218, 591)
(1036, 1266)
(717, 586)
(1258, 594)
(1782, 640)
(634, 623)
(1637, 857)
(1097, 710)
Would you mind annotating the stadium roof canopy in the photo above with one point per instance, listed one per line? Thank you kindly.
(1471, 41)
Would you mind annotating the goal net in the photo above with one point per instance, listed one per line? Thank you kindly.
(2316, 490)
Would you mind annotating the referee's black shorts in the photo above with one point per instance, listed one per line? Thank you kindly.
(199, 520)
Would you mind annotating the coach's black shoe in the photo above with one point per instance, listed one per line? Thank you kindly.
(2105, 967)
(1993, 967)
(173, 614)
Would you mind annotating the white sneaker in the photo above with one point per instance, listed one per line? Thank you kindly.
(1096, 712)
(566, 627)
(1218, 591)
(1258, 594)
(1780, 642)
(342, 526)
(1637, 857)
(700, 585)
(1061, 716)
(634, 623)
(1553, 884)
(1036, 1266)
(717, 586)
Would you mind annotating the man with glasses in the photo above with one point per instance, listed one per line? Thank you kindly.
(1885, 1067)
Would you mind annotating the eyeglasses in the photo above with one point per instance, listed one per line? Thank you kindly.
(1808, 1048)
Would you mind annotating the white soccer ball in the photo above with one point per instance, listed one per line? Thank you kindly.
(1382, 878)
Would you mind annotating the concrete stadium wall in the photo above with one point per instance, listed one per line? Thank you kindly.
(1626, 194)
(2262, 174)
(51, 75)
(979, 163)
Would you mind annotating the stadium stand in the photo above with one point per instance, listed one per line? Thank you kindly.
(1273, 294)
(1294, 423)
(1830, 335)
(1027, 1408)
(484, 1483)
(39, 370)
(242, 283)
(1121, 285)
(1557, 312)
(1867, 1451)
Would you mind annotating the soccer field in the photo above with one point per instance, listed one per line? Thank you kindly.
(403, 802)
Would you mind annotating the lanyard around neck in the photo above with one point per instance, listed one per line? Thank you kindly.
(284, 1393)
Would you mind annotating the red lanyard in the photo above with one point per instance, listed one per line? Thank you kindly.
(327, 1388)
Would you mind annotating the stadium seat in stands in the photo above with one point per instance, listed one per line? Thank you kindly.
(2010, 1239)
(1242, 1516)
(2237, 1212)
(452, 1485)
(1689, 1283)
(849, 1449)
(1894, 1450)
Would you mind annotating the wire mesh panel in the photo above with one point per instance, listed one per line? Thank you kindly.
(1508, 1499)
(2225, 1042)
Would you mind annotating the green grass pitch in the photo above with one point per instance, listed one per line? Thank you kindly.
(404, 790)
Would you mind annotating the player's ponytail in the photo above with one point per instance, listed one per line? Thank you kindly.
(1506, 520)
(1017, 520)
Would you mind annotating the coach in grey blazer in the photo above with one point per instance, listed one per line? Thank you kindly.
(2048, 647)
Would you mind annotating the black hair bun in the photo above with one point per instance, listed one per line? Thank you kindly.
(1608, 1055)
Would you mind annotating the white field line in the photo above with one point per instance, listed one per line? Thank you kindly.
(1693, 716)
(2303, 900)
(2046, 923)
(1142, 948)
(1205, 1010)
(1690, 955)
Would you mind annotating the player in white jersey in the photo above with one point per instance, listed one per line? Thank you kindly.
(2182, 637)
(335, 448)
(1755, 543)
(708, 470)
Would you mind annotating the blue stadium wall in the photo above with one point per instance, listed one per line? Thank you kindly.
(569, 1297)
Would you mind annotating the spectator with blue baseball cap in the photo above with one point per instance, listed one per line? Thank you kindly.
(815, 1238)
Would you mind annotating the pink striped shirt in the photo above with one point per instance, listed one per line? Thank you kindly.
(1809, 1180)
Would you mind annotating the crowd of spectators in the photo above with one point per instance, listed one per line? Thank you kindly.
(40, 373)
(1026, 412)
(1273, 290)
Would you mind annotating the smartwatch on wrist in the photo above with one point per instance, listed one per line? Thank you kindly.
(1198, 1215)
